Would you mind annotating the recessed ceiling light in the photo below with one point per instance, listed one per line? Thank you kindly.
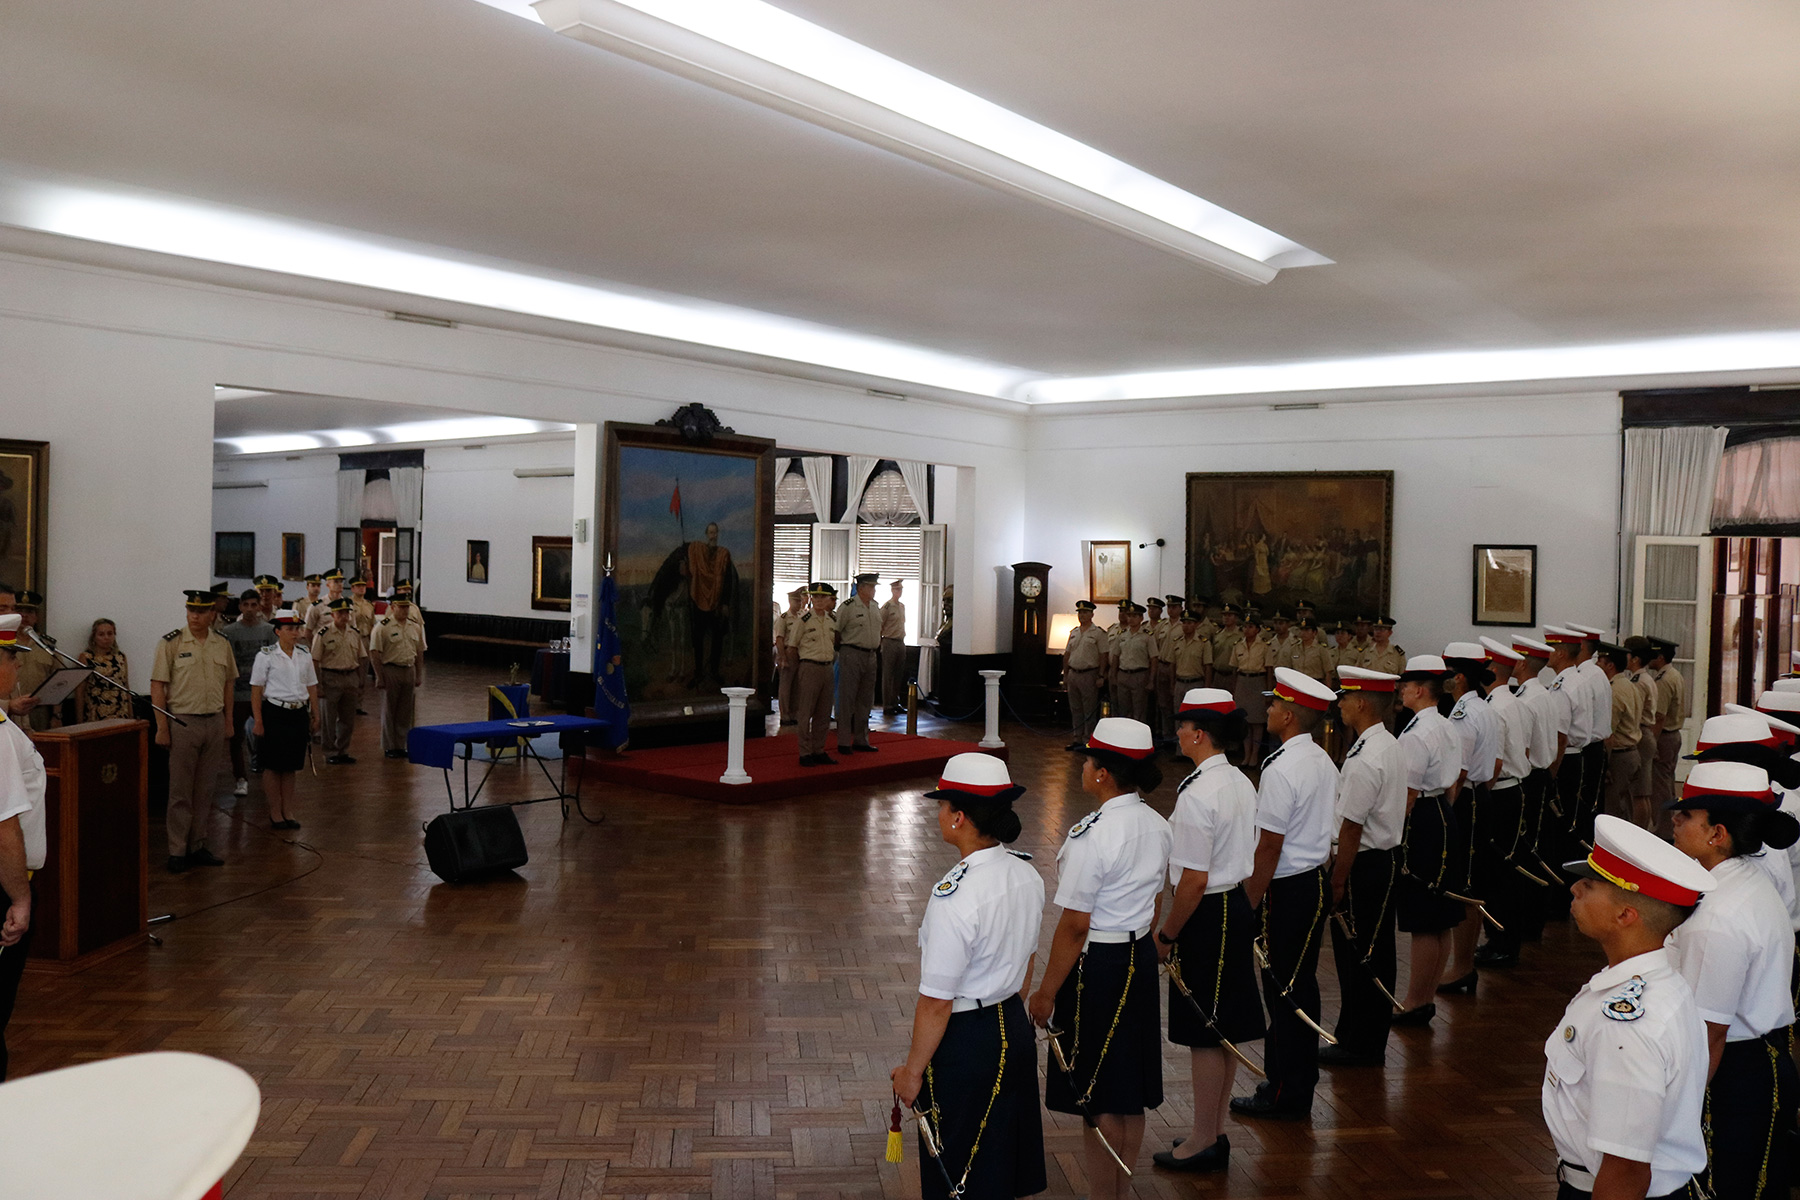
(765, 54)
(446, 429)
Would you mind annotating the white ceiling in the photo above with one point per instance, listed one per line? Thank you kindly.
(248, 421)
(1485, 174)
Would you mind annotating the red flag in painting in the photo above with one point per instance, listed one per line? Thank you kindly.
(675, 501)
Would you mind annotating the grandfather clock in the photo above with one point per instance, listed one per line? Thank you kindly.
(1031, 626)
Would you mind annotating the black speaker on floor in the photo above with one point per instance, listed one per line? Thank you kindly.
(473, 842)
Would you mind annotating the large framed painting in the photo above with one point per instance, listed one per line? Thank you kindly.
(1274, 539)
(22, 519)
(690, 529)
(1504, 588)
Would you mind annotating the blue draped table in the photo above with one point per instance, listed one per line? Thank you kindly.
(436, 746)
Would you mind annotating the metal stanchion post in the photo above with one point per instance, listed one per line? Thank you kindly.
(912, 709)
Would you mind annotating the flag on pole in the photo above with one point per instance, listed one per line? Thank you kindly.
(675, 500)
(610, 702)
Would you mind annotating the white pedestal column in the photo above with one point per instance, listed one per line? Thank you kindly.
(734, 745)
(992, 740)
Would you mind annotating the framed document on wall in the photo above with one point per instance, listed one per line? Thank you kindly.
(1109, 572)
(1505, 586)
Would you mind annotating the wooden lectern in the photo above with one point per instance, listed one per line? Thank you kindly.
(93, 895)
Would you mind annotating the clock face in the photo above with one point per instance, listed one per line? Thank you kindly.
(1031, 587)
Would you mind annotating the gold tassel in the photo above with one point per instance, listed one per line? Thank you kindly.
(894, 1145)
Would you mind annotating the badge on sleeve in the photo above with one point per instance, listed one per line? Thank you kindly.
(1020, 854)
(948, 884)
(1627, 1003)
(1556, 684)
(1086, 823)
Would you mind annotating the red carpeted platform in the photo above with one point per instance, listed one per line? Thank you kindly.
(774, 767)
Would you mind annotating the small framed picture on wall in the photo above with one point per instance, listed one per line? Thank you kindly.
(293, 556)
(1505, 586)
(1109, 572)
(477, 565)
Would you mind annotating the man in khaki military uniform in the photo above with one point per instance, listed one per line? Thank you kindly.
(192, 677)
(1343, 651)
(307, 602)
(1622, 743)
(340, 654)
(397, 648)
(813, 638)
(36, 663)
(1225, 643)
(1084, 658)
(1158, 629)
(1311, 658)
(318, 616)
(786, 661)
(1208, 627)
(1189, 655)
(1671, 703)
(1284, 643)
(270, 587)
(1133, 665)
(893, 651)
(1382, 654)
(1362, 638)
(859, 650)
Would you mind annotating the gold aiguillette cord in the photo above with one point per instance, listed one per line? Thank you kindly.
(1173, 966)
(1344, 924)
(1062, 1064)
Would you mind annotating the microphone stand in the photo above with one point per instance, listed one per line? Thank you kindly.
(49, 644)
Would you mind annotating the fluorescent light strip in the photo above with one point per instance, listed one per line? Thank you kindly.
(1624, 360)
(213, 234)
(448, 429)
(763, 53)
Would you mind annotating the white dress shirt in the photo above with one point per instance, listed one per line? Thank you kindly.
(1599, 693)
(1432, 752)
(1542, 704)
(1213, 827)
(1737, 952)
(981, 927)
(1372, 789)
(1296, 798)
(1633, 1088)
(283, 677)
(1515, 732)
(1112, 863)
(1479, 731)
(22, 789)
(1581, 710)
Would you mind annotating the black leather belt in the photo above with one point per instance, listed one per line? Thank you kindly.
(864, 649)
(340, 670)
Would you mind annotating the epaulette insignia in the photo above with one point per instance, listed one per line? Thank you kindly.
(171, 635)
(1556, 685)
(1020, 854)
(1086, 823)
(267, 649)
(1355, 750)
(1458, 713)
(948, 884)
(1627, 1003)
(2, 716)
(1400, 650)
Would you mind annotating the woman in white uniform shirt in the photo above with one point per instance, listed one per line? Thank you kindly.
(1209, 928)
(1736, 953)
(972, 1068)
(22, 837)
(1099, 989)
(284, 701)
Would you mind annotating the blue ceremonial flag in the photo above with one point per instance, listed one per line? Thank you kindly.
(610, 702)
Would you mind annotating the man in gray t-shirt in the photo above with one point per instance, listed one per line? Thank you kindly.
(247, 636)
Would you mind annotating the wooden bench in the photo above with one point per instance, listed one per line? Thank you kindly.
(492, 641)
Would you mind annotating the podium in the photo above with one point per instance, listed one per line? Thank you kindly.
(92, 899)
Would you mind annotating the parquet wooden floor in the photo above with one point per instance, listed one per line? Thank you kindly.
(689, 1000)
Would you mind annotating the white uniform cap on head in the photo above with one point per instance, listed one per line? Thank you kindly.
(285, 614)
(9, 630)
(1794, 658)
(1555, 633)
(1427, 662)
(1775, 723)
(1498, 649)
(1207, 700)
(1785, 685)
(1727, 778)
(1464, 650)
(1122, 735)
(977, 774)
(1639, 861)
(1292, 687)
(1778, 701)
(1587, 629)
(1744, 726)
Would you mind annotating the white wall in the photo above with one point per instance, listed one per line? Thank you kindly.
(1541, 470)
(301, 498)
(473, 494)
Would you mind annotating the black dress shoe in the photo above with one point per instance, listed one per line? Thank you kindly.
(1487, 956)
(1216, 1157)
(825, 760)
(1263, 1103)
(1082, 746)
(1416, 1017)
(204, 858)
(290, 823)
(177, 863)
(809, 760)
(394, 753)
(1464, 986)
(1342, 1056)
(340, 760)
(865, 749)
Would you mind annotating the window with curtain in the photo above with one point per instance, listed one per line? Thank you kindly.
(793, 499)
(793, 557)
(1759, 488)
(887, 501)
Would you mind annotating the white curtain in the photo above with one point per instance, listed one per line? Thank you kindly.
(350, 498)
(914, 475)
(861, 467)
(781, 470)
(1759, 484)
(409, 495)
(1671, 476)
(817, 470)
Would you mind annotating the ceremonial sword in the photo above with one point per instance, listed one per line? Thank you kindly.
(1344, 924)
(1174, 969)
(1262, 960)
(933, 1150)
(1087, 1112)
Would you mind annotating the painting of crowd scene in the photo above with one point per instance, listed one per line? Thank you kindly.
(1274, 540)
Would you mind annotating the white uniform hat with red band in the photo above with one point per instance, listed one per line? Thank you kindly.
(1465, 650)
(975, 777)
(1794, 659)
(1784, 731)
(1294, 688)
(1122, 736)
(1530, 647)
(1742, 726)
(1726, 787)
(1777, 700)
(1361, 679)
(1424, 666)
(1592, 633)
(1785, 685)
(1500, 651)
(9, 631)
(1213, 700)
(1556, 635)
(1638, 861)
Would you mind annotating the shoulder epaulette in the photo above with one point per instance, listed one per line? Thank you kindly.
(948, 884)
(1020, 854)
(1086, 823)
(2, 716)
(266, 648)
(171, 635)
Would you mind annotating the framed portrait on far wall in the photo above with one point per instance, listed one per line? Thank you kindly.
(293, 556)
(23, 526)
(1109, 572)
(1505, 586)
(476, 569)
(552, 572)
